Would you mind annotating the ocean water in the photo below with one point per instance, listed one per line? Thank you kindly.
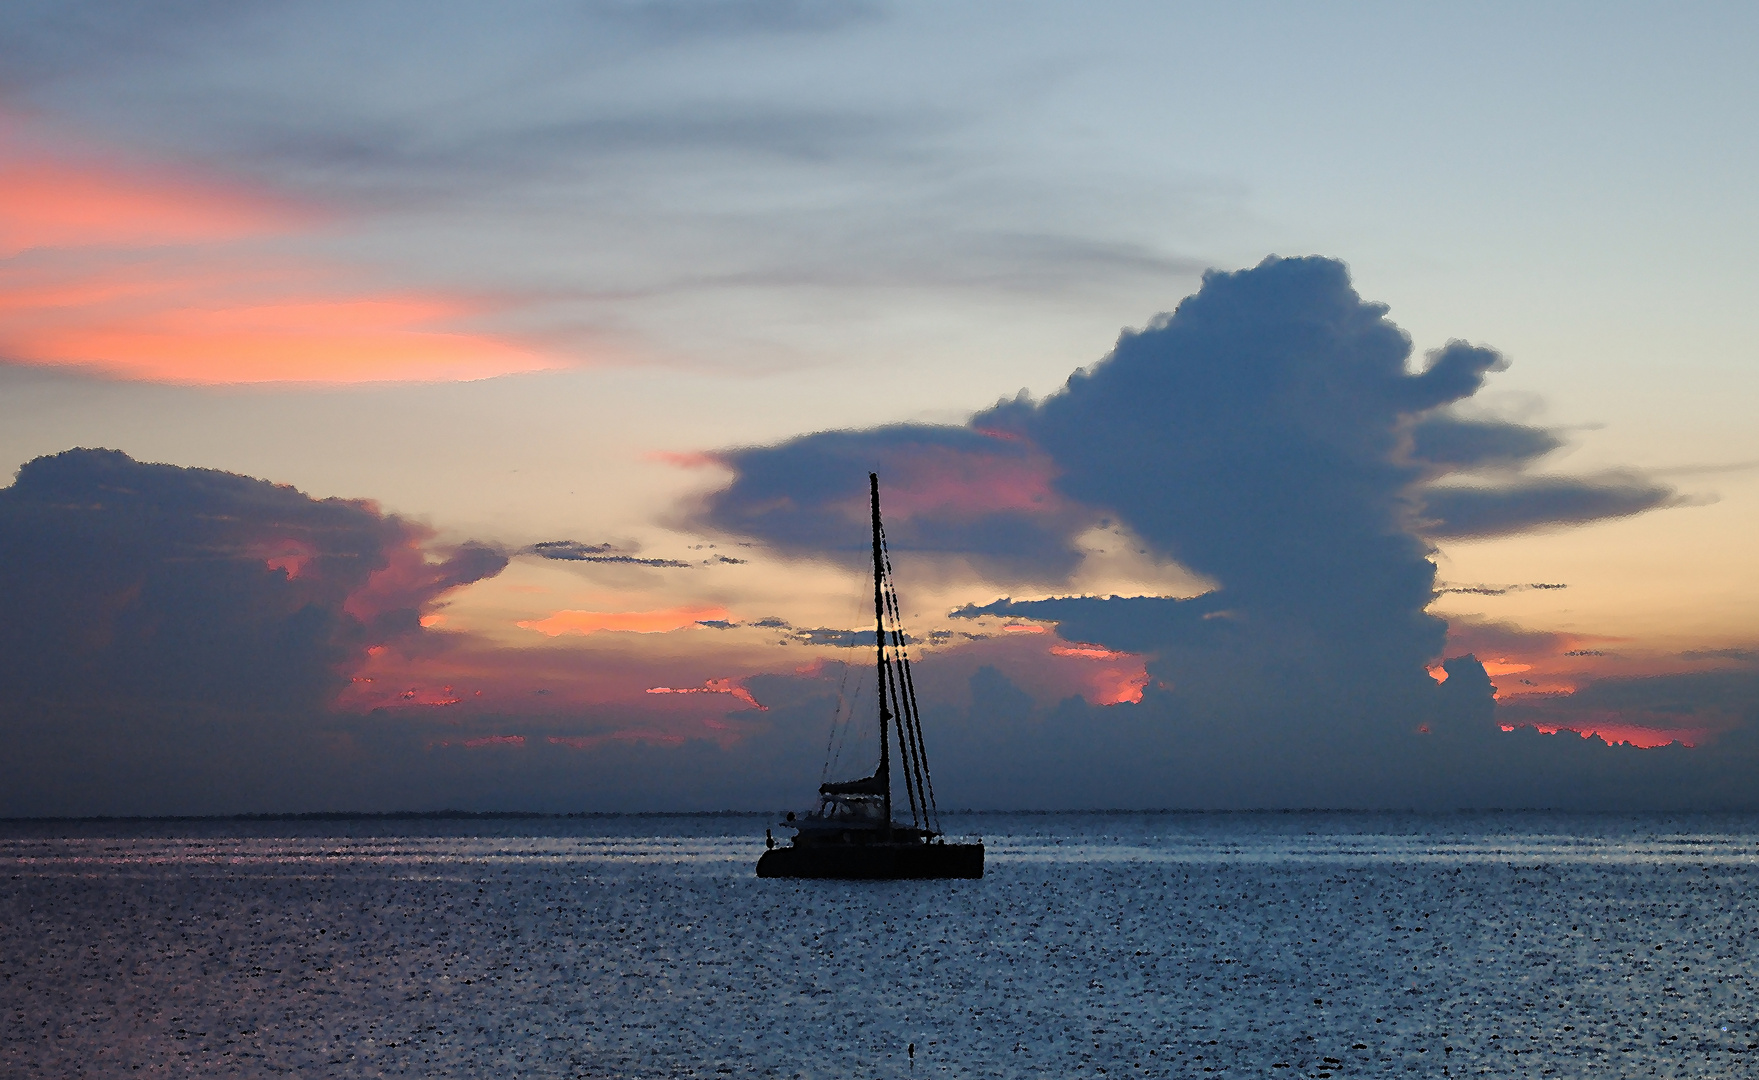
(1126, 945)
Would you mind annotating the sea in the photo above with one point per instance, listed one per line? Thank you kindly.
(1096, 945)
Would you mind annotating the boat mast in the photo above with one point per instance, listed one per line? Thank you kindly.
(879, 641)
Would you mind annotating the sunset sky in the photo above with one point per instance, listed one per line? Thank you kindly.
(564, 337)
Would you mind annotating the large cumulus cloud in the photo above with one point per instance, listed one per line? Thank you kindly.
(1275, 435)
(1270, 434)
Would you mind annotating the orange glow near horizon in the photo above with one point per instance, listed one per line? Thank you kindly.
(1647, 738)
(636, 622)
(1617, 732)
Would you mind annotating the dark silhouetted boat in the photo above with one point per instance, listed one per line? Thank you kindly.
(852, 833)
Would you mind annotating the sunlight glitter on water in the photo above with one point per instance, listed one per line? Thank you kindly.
(1142, 945)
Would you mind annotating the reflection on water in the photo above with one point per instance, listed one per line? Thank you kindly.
(1148, 945)
(46, 854)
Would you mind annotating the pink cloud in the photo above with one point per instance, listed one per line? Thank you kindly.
(713, 686)
(142, 271)
(494, 740)
(945, 482)
(58, 197)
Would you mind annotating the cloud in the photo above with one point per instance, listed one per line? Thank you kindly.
(50, 201)
(136, 270)
(1742, 655)
(574, 551)
(354, 129)
(44, 42)
(1443, 589)
(948, 490)
(1694, 708)
(1269, 435)
(1451, 441)
(124, 579)
(1272, 436)
(1492, 638)
(1261, 436)
(173, 639)
(1527, 504)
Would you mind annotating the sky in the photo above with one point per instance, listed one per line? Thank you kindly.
(422, 406)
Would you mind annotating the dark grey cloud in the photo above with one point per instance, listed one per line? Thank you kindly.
(1443, 589)
(190, 625)
(1455, 442)
(265, 76)
(952, 490)
(120, 578)
(48, 39)
(841, 639)
(575, 551)
(1743, 655)
(1529, 503)
(43, 40)
(1253, 435)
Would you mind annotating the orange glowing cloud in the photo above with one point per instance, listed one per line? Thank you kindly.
(1088, 652)
(291, 557)
(636, 622)
(141, 272)
(199, 330)
(1121, 681)
(1615, 733)
(714, 686)
(694, 459)
(1118, 687)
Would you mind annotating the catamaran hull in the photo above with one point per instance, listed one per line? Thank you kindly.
(874, 862)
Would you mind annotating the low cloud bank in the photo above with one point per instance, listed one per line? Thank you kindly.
(184, 629)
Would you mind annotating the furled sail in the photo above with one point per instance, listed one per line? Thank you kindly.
(872, 785)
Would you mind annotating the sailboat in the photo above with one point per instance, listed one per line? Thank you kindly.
(852, 834)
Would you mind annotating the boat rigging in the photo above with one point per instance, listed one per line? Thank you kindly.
(852, 833)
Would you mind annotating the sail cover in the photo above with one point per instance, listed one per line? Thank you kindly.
(872, 785)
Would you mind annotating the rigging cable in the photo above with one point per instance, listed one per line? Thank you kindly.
(842, 721)
(898, 717)
(840, 724)
(914, 740)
